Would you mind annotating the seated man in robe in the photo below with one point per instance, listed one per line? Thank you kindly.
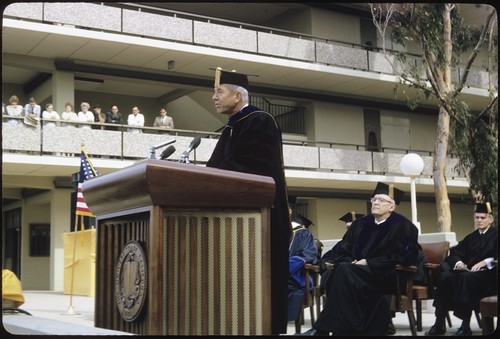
(468, 274)
(326, 261)
(302, 250)
(364, 279)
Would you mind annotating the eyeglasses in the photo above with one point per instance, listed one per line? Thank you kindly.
(380, 200)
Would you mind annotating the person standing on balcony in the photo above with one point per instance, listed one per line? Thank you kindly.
(363, 281)
(136, 118)
(85, 116)
(251, 143)
(99, 116)
(49, 113)
(69, 115)
(468, 274)
(32, 112)
(164, 122)
(14, 110)
(114, 117)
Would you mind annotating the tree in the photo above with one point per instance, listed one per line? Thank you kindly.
(443, 39)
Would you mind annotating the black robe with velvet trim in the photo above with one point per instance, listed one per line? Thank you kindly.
(461, 291)
(252, 143)
(359, 296)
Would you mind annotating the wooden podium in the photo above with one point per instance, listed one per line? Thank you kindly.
(182, 250)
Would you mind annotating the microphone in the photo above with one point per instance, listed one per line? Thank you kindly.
(167, 152)
(154, 147)
(185, 155)
(162, 144)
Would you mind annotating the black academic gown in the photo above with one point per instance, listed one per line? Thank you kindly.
(252, 143)
(303, 245)
(359, 296)
(461, 291)
(302, 250)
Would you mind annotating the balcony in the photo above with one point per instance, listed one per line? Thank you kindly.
(121, 145)
(179, 27)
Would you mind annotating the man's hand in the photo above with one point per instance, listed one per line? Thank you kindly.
(360, 262)
(478, 266)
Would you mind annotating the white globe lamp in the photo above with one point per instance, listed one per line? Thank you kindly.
(412, 166)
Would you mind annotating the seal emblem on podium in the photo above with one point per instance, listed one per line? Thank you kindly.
(131, 281)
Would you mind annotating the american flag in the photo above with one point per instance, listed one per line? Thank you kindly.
(87, 171)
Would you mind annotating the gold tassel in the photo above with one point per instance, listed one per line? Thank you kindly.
(488, 207)
(217, 76)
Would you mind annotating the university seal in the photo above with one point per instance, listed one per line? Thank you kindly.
(131, 281)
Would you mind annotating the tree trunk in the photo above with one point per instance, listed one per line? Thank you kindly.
(443, 130)
(438, 168)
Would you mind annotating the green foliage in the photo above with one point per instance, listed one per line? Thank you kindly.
(424, 23)
(473, 137)
(474, 140)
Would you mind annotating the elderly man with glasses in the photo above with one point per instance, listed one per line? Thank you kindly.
(364, 278)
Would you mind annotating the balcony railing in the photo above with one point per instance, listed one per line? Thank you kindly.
(168, 25)
(120, 144)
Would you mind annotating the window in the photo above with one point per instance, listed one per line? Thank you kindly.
(39, 240)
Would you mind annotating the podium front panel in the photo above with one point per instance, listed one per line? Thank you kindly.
(214, 273)
(208, 271)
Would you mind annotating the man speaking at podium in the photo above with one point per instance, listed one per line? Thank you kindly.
(251, 143)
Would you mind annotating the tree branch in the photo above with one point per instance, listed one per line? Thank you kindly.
(475, 52)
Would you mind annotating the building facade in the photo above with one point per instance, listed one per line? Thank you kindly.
(319, 69)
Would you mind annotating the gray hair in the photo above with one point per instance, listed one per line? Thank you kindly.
(242, 90)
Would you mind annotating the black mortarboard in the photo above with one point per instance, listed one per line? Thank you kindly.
(483, 208)
(350, 217)
(231, 78)
(389, 190)
(300, 219)
(292, 200)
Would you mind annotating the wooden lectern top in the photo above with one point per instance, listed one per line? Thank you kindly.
(178, 185)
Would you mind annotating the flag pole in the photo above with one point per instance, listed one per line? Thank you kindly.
(86, 170)
(71, 310)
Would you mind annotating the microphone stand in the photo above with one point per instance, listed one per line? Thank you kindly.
(153, 148)
(185, 158)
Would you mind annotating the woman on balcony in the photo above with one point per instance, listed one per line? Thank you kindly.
(69, 115)
(14, 110)
(50, 114)
(85, 116)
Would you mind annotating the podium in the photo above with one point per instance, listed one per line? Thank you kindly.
(182, 250)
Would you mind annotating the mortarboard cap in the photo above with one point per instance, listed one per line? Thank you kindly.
(231, 78)
(300, 219)
(350, 217)
(389, 190)
(483, 208)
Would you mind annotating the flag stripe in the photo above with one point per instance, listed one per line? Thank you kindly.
(87, 171)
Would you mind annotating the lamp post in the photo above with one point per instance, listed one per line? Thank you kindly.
(412, 165)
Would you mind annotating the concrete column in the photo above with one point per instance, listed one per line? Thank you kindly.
(63, 90)
(60, 214)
